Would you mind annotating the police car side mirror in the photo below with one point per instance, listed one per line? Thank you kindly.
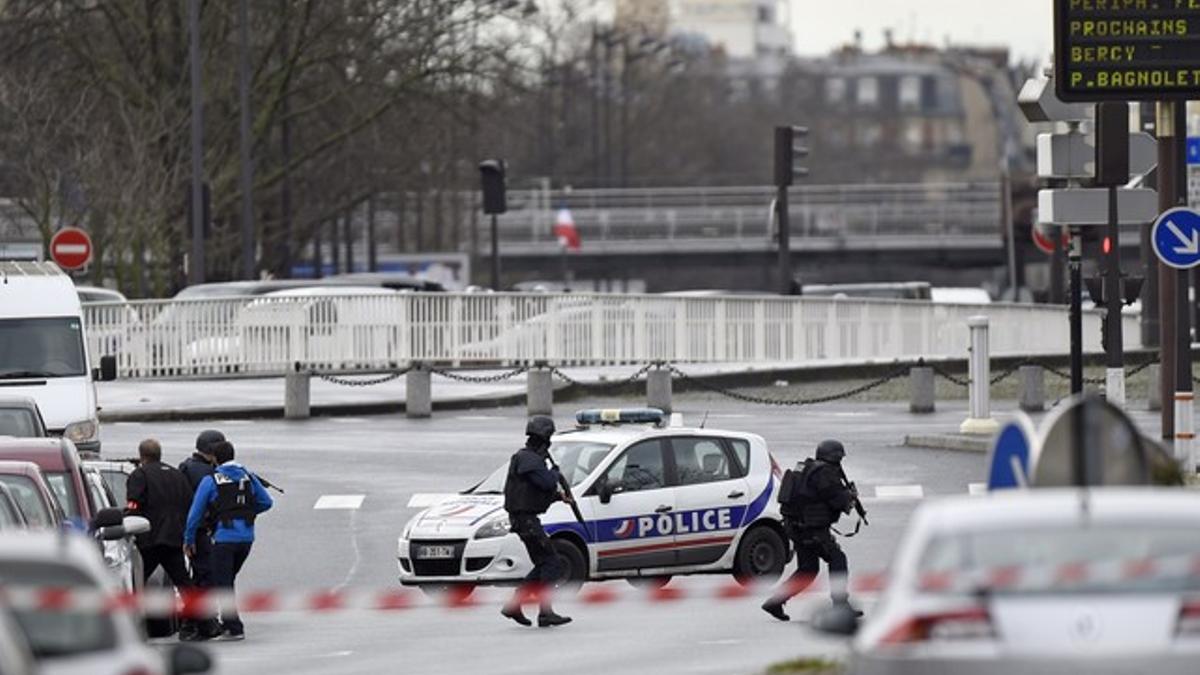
(839, 619)
(605, 492)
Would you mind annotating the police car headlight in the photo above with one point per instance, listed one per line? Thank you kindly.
(83, 430)
(496, 527)
(408, 527)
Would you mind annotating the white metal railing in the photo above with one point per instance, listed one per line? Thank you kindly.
(267, 336)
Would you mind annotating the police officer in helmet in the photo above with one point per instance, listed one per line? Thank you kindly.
(531, 487)
(818, 497)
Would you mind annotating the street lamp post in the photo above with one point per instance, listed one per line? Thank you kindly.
(247, 169)
(196, 273)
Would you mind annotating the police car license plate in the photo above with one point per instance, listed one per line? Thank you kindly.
(435, 552)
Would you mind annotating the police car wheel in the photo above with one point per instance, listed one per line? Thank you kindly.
(761, 556)
(574, 564)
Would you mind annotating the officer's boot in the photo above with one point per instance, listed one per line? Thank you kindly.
(547, 617)
(512, 610)
(774, 607)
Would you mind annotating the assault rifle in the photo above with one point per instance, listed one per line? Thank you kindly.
(566, 490)
(858, 505)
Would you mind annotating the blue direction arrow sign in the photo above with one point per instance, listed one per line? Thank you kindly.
(1176, 238)
(1008, 460)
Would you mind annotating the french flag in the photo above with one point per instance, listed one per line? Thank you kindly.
(565, 230)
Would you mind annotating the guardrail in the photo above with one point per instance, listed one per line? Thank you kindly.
(376, 333)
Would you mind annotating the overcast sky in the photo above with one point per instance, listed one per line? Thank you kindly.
(1025, 26)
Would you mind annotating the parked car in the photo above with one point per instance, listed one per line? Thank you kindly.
(67, 642)
(15, 655)
(20, 417)
(28, 487)
(1041, 581)
(11, 516)
(121, 555)
(43, 352)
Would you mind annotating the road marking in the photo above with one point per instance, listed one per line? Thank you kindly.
(977, 489)
(347, 420)
(899, 492)
(478, 418)
(722, 643)
(349, 502)
(427, 499)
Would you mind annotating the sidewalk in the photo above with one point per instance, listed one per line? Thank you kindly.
(156, 400)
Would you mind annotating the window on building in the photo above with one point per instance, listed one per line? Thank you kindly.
(913, 136)
(870, 134)
(910, 92)
(868, 92)
(835, 90)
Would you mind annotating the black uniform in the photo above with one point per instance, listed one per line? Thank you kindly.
(161, 494)
(195, 468)
(819, 499)
(530, 489)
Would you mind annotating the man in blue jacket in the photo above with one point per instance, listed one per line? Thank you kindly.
(232, 497)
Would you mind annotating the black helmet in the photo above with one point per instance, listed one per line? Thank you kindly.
(831, 451)
(540, 426)
(207, 439)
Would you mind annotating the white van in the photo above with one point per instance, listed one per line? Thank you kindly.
(42, 353)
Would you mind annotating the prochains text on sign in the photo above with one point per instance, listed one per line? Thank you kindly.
(1129, 47)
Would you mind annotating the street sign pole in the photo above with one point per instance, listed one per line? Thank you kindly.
(1075, 262)
(1112, 171)
(1165, 129)
(1185, 423)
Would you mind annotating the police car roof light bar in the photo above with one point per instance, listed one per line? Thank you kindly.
(613, 416)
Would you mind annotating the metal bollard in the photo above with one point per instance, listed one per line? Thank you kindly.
(1033, 388)
(922, 388)
(658, 389)
(1154, 393)
(980, 421)
(418, 393)
(539, 392)
(297, 398)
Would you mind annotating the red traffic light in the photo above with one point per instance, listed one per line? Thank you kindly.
(1107, 246)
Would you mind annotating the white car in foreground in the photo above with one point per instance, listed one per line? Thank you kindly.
(67, 642)
(657, 501)
(1102, 581)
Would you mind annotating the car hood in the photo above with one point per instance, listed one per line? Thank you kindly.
(62, 400)
(462, 513)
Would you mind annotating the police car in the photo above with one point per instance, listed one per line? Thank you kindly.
(657, 500)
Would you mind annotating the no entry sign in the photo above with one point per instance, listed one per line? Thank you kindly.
(71, 248)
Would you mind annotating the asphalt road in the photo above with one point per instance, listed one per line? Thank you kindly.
(388, 459)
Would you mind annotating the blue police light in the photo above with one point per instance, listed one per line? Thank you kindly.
(620, 416)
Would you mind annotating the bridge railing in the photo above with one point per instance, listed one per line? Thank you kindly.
(743, 213)
(267, 336)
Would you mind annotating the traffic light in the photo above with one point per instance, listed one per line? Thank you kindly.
(789, 148)
(492, 181)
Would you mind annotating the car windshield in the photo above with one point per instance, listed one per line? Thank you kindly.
(19, 422)
(41, 348)
(60, 482)
(116, 483)
(56, 633)
(577, 459)
(29, 499)
(1035, 550)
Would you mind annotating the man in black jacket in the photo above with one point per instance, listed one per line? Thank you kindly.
(820, 498)
(196, 468)
(532, 486)
(160, 493)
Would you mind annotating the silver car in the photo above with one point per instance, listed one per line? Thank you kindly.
(1042, 581)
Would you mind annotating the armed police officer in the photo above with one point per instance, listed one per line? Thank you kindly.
(231, 498)
(531, 487)
(811, 502)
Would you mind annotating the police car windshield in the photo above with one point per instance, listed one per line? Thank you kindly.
(577, 459)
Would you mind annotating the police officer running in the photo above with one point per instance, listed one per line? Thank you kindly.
(529, 491)
(161, 494)
(233, 498)
(818, 498)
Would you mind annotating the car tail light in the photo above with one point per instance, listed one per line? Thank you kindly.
(967, 624)
(1189, 619)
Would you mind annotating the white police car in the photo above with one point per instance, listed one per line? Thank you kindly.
(657, 501)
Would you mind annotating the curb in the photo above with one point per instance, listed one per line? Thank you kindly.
(956, 442)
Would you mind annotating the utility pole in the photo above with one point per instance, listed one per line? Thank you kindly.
(1167, 276)
(247, 168)
(196, 263)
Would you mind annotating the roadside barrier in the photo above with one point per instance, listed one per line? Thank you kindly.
(1065, 576)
